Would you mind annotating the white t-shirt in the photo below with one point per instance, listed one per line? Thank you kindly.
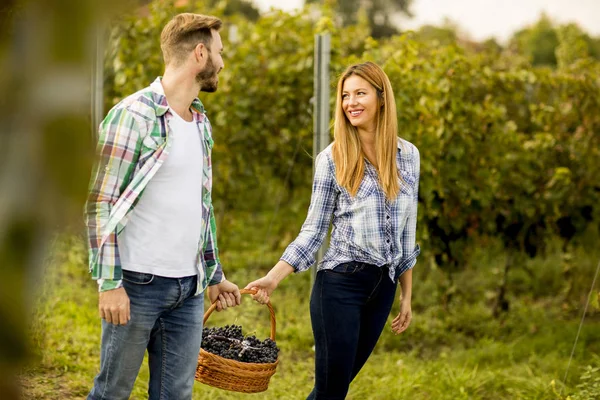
(163, 233)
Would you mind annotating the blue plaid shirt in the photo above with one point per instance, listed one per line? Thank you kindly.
(367, 228)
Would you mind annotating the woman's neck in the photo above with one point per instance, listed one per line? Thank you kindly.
(367, 143)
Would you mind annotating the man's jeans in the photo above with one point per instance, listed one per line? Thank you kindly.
(166, 319)
(349, 307)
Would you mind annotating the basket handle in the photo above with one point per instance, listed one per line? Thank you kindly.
(244, 291)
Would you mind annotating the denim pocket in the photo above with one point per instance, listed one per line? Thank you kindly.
(139, 278)
(348, 268)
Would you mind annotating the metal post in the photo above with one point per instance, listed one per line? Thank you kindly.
(321, 108)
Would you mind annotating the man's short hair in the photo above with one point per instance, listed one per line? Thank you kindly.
(183, 33)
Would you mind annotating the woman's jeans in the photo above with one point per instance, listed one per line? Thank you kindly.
(349, 307)
(166, 319)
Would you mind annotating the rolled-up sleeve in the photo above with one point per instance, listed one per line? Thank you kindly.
(300, 254)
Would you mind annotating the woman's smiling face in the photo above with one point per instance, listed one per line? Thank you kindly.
(360, 102)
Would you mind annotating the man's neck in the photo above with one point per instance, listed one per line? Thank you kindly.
(180, 89)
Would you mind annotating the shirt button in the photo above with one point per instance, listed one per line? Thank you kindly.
(388, 217)
(388, 241)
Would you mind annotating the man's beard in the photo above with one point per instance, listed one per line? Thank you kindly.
(207, 78)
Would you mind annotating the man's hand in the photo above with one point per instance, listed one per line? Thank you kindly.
(113, 306)
(226, 293)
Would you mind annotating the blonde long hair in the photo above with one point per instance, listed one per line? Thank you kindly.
(348, 154)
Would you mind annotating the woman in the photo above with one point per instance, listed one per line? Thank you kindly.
(367, 180)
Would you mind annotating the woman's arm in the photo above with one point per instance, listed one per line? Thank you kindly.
(410, 251)
(402, 320)
(406, 286)
(300, 254)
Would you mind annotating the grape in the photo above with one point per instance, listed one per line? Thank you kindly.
(229, 342)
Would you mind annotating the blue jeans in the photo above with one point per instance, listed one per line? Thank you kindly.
(349, 307)
(166, 320)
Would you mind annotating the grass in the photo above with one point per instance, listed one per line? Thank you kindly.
(455, 353)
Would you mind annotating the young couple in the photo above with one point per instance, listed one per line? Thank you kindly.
(152, 232)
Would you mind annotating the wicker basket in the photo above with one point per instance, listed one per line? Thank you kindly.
(232, 375)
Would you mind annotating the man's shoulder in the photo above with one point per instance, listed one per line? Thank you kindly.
(144, 104)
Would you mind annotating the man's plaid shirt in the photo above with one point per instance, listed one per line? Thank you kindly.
(133, 143)
(366, 228)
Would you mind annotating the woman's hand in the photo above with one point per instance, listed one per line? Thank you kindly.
(264, 287)
(267, 284)
(402, 321)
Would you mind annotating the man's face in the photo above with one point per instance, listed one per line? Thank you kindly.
(208, 77)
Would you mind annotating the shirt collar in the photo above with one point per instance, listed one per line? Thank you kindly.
(160, 100)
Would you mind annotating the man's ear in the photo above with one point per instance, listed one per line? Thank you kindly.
(200, 53)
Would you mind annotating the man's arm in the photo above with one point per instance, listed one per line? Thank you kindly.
(211, 253)
(219, 287)
(225, 293)
(118, 150)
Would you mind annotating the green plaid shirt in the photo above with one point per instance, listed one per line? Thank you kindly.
(133, 143)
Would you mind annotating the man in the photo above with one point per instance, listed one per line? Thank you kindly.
(151, 225)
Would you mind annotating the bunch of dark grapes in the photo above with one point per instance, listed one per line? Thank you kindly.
(229, 342)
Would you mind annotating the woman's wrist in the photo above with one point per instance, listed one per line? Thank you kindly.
(280, 271)
(405, 298)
